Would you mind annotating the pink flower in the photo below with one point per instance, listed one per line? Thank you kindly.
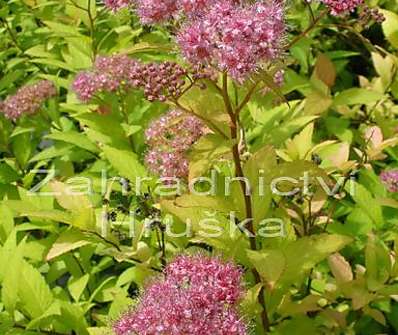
(231, 35)
(157, 11)
(167, 163)
(115, 5)
(159, 81)
(235, 38)
(390, 180)
(175, 130)
(210, 276)
(169, 138)
(28, 99)
(341, 7)
(109, 74)
(154, 11)
(195, 7)
(182, 303)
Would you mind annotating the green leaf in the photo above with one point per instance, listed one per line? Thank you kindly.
(77, 203)
(99, 331)
(207, 104)
(68, 198)
(11, 279)
(76, 286)
(276, 135)
(104, 129)
(390, 27)
(298, 325)
(317, 103)
(60, 149)
(378, 263)
(366, 202)
(125, 162)
(7, 174)
(384, 67)
(270, 264)
(54, 215)
(137, 274)
(204, 152)
(312, 250)
(72, 316)
(145, 47)
(69, 240)
(49, 315)
(261, 164)
(8, 251)
(357, 96)
(6, 223)
(293, 261)
(250, 304)
(120, 304)
(34, 294)
(211, 202)
(10, 78)
(73, 137)
(82, 11)
(21, 147)
(6, 323)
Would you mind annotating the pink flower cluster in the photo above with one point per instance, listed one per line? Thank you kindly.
(198, 296)
(368, 15)
(231, 35)
(109, 74)
(214, 279)
(155, 11)
(151, 11)
(342, 7)
(390, 180)
(169, 138)
(235, 38)
(122, 73)
(27, 100)
(115, 5)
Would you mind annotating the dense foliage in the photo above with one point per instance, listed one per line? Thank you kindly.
(198, 167)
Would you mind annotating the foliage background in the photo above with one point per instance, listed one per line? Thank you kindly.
(59, 276)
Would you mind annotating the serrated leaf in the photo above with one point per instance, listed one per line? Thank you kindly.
(34, 294)
(125, 162)
(295, 259)
(366, 202)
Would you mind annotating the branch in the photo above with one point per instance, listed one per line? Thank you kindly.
(308, 30)
(17, 45)
(248, 200)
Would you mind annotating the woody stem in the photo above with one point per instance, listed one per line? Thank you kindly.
(233, 114)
